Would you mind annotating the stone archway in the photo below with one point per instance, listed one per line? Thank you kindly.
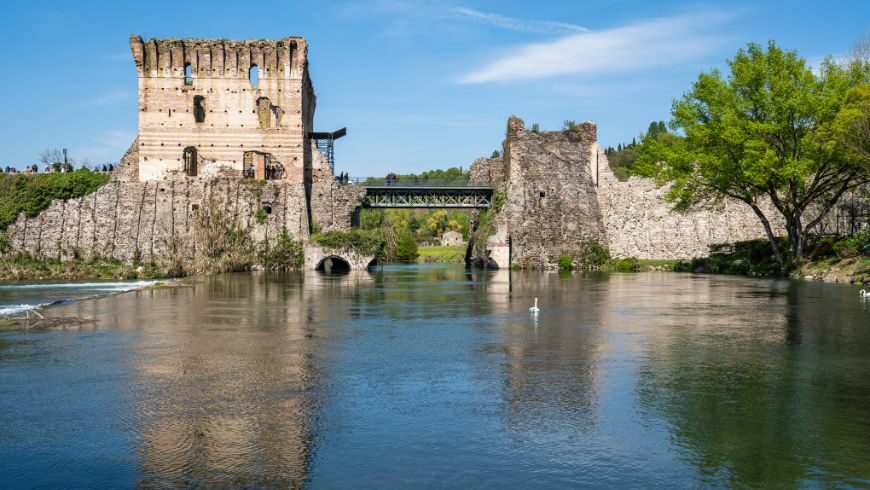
(333, 264)
(316, 258)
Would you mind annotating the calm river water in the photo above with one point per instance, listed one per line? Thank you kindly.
(427, 376)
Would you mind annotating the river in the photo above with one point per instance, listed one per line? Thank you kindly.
(428, 376)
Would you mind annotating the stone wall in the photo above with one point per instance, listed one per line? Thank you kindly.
(124, 217)
(333, 205)
(271, 117)
(559, 190)
(638, 222)
(487, 171)
(551, 205)
(315, 254)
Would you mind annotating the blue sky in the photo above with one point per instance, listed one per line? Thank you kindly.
(419, 84)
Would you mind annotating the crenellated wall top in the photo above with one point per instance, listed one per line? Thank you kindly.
(220, 58)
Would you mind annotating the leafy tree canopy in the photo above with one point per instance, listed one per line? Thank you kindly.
(765, 132)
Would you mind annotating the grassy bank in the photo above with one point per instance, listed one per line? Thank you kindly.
(828, 259)
(437, 254)
(30, 268)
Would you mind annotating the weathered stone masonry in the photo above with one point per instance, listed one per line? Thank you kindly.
(221, 101)
(560, 191)
(122, 218)
(212, 110)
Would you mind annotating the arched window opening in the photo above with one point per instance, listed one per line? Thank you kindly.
(188, 74)
(190, 161)
(254, 76)
(279, 113)
(199, 108)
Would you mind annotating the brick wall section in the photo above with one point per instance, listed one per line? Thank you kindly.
(232, 125)
(487, 171)
(333, 205)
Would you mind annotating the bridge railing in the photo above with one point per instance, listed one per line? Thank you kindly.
(406, 182)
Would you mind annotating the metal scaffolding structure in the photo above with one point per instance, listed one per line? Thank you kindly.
(326, 144)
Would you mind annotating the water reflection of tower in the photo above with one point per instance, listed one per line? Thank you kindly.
(228, 377)
(551, 368)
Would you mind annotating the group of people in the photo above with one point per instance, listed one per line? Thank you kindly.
(274, 171)
(60, 167)
(342, 178)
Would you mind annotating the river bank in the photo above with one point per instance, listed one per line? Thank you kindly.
(24, 267)
(828, 260)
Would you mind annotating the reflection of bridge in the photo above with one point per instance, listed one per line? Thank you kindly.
(381, 193)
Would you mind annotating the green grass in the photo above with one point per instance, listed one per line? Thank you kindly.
(437, 254)
(33, 193)
(657, 264)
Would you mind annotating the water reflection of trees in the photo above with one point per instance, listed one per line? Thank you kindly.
(771, 389)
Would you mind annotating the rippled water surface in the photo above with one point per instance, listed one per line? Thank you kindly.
(426, 376)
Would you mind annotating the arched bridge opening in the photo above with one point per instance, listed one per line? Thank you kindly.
(333, 264)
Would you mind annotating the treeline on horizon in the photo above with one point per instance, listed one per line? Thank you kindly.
(452, 174)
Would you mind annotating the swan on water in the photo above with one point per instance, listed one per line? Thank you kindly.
(864, 294)
(535, 309)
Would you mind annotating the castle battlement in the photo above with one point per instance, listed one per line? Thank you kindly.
(284, 58)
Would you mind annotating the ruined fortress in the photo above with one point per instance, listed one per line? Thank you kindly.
(217, 108)
(231, 123)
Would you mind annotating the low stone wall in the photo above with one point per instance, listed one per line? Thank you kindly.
(122, 218)
(638, 221)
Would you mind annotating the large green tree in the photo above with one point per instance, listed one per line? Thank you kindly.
(766, 132)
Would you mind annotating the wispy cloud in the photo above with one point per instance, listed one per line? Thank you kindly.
(642, 45)
(423, 10)
(514, 24)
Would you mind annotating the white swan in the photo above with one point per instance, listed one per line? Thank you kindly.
(864, 294)
(535, 309)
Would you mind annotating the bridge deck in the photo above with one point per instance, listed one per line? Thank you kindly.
(416, 196)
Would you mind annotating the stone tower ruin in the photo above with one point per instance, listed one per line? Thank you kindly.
(210, 107)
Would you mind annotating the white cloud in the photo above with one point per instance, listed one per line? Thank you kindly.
(514, 24)
(417, 9)
(642, 45)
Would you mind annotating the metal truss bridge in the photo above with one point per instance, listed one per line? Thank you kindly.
(424, 194)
